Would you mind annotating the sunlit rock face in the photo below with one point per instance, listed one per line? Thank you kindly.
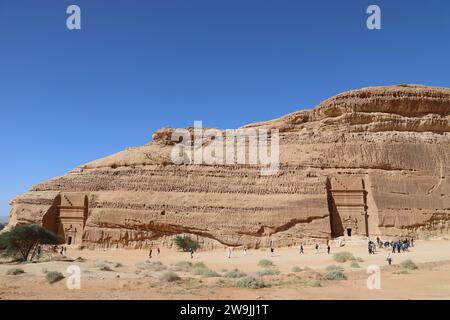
(367, 162)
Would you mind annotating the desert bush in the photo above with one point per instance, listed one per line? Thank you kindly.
(359, 259)
(343, 257)
(205, 272)
(169, 276)
(265, 263)
(355, 264)
(296, 269)
(22, 241)
(236, 273)
(151, 265)
(14, 271)
(268, 272)
(185, 266)
(54, 276)
(198, 268)
(335, 273)
(118, 265)
(314, 283)
(105, 267)
(185, 243)
(199, 264)
(252, 283)
(401, 272)
(409, 264)
(80, 259)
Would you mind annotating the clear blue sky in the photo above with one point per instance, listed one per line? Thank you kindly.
(69, 97)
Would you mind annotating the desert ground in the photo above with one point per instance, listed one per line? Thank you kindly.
(130, 274)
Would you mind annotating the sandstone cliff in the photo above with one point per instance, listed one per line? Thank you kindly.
(373, 161)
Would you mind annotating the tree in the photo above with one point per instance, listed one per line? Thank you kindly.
(22, 240)
(185, 243)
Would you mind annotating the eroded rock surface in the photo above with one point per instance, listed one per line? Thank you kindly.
(374, 160)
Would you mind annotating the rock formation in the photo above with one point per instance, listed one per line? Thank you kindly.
(373, 161)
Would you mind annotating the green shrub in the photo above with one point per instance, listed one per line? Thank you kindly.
(235, 274)
(169, 276)
(185, 243)
(355, 264)
(314, 283)
(409, 264)
(54, 276)
(296, 269)
(252, 283)
(22, 241)
(335, 273)
(14, 271)
(343, 257)
(265, 263)
(268, 272)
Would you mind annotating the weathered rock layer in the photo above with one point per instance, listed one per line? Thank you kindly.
(373, 161)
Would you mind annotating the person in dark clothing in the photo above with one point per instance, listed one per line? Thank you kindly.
(301, 248)
(150, 253)
(192, 253)
(328, 249)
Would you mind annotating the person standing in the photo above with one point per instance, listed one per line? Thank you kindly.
(150, 253)
(328, 248)
(245, 251)
(301, 248)
(272, 250)
(229, 253)
(192, 253)
(389, 258)
(158, 251)
(317, 247)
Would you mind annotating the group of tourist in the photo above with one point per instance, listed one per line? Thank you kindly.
(397, 246)
(401, 245)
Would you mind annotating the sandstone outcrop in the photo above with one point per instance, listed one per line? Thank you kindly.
(368, 162)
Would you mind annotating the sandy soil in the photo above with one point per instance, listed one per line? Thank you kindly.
(133, 278)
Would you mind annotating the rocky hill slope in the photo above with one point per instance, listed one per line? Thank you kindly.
(373, 161)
